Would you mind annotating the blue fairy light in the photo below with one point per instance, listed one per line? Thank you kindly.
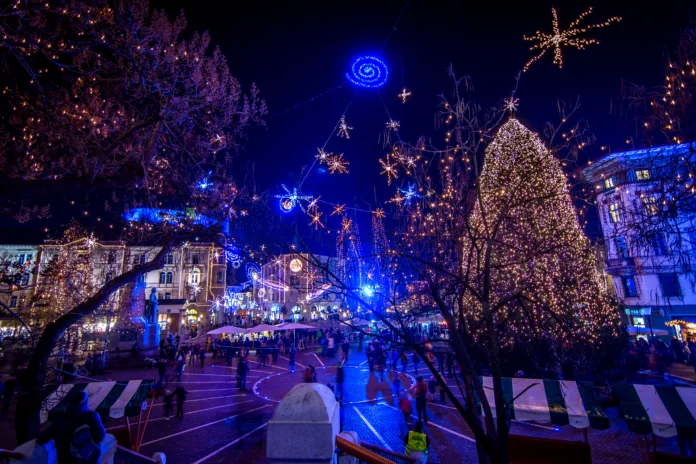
(289, 200)
(369, 72)
(252, 271)
(409, 194)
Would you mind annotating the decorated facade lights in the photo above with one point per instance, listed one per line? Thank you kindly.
(568, 37)
(369, 72)
(289, 200)
(343, 128)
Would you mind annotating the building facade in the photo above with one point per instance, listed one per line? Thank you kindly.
(650, 244)
(19, 284)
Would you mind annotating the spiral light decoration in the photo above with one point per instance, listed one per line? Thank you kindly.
(368, 71)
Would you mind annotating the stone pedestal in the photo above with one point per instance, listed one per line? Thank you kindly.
(150, 337)
(304, 426)
(353, 438)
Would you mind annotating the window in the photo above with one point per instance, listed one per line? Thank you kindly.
(638, 321)
(610, 182)
(195, 259)
(13, 302)
(294, 281)
(20, 258)
(650, 204)
(140, 279)
(29, 257)
(22, 299)
(170, 258)
(170, 277)
(670, 285)
(692, 240)
(219, 277)
(659, 245)
(136, 260)
(25, 280)
(167, 296)
(614, 213)
(111, 257)
(192, 297)
(143, 258)
(195, 277)
(162, 277)
(643, 174)
(621, 248)
(629, 286)
(109, 276)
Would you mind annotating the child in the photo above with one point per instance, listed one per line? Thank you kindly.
(405, 407)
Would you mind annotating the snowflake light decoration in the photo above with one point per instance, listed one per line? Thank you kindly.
(346, 224)
(337, 164)
(322, 155)
(313, 205)
(316, 220)
(252, 271)
(393, 125)
(379, 213)
(409, 194)
(232, 254)
(405, 93)
(206, 183)
(389, 170)
(511, 104)
(343, 128)
(289, 200)
(338, 209)
(568, 38)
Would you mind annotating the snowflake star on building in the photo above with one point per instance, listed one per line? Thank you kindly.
(393, 125)
(405, 93)
(313, 204)
(389, 170)
(511, 104)
(343, 128)
(316, 220)
(322, 155)
(568, 38)
(337, 164)
(409, 194)
(379, 213)
(338, 209)
(346, 224)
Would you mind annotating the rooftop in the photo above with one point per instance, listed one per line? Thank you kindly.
(635, 155)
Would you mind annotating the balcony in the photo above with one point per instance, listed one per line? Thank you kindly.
(621, 265)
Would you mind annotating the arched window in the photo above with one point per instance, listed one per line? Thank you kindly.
(170, 277)
(162, 277)
(219, 277)
(195, 276)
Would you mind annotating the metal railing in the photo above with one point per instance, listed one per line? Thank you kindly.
(372, 454)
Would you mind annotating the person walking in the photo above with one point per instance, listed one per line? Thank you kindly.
(404, 362)
(417, 444)
(215, 348)
(242, 371)
(179, 367)
(291, 357)
(275, 353)
(416, 360)
(345, 347)
(161, 366)
(180, 394)
(421, 399)
(194, 354)
(406, 409)
(229, 354)
(168, 400)
(202, 356)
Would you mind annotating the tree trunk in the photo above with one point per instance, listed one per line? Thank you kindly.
(31, 381)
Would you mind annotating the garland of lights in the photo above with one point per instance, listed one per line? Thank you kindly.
(289, 200)
(369, 72)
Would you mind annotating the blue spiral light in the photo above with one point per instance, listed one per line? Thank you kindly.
(368, 71)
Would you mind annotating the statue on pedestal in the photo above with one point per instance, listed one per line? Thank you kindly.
(151, 307)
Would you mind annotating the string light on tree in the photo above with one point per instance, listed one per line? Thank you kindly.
(343, 128)
(568, 37)
(404, 95)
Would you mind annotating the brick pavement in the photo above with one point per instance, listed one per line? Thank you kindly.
(223, 425)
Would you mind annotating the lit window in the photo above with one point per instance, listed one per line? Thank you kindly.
(650, 205)
(670, 285)
(25, 280)
(643, 174)
(629, 286)
(21, 259)
(614, 213)
(195, 276)
(610, 182)
(638, 321)
(621, 248)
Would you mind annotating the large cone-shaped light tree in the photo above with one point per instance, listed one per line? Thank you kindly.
(528, 247)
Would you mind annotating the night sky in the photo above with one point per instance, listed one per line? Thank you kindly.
(298, 50)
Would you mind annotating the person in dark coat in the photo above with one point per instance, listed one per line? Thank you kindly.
(180, 395)
(10, 385)
(242, 371)
(63, 431)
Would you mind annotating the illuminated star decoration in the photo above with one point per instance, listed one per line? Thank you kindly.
(559, 38)
(379, 213)
(316, 220)
(405, 93)
(322, 155)
(393, 125)
(313, 204)
(337, 164)
(205, 182)
(409, 194)
(389, 170)
(368, 71)
(346, 224)
(511, 104)
(289, 200)
(338, 209)
(343, 128)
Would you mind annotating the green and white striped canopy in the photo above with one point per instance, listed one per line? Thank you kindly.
(663, 410)
(109, 399)
(560, 402)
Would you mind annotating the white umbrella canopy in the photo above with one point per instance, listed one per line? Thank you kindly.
(228, 329)
(295, 325)
(264, 328)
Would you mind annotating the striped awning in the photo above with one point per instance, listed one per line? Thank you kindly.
(109, 399)
(663, 410)
(560, 402)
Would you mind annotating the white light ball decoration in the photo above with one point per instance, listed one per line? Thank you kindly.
(295, 265)
(261, 293)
